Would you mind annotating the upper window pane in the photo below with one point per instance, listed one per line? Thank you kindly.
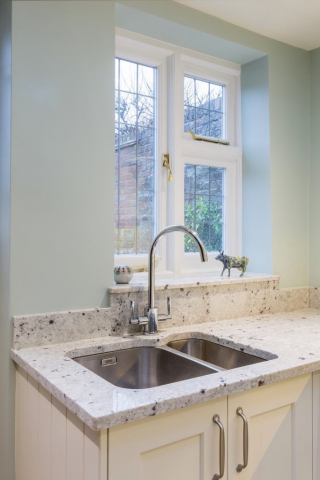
(204, 205)
(135, 106)
(204, 107)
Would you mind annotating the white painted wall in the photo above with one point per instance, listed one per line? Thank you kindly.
(62, 155)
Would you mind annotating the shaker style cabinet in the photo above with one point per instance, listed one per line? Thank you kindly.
(183, 444)
(278, 419)
(272, 438)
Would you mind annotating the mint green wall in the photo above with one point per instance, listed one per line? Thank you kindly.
(288, 117)
(6, 366)
(62, 155)
(181, 34)
(56, 182)
(257, 231)
(61, 243)
(315, 168)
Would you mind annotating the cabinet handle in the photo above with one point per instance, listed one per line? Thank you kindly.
(217, 476)
(245, 440)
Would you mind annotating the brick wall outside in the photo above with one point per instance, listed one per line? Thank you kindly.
(134, 192)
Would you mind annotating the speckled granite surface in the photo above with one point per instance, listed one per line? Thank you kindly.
(140, 283)
(294, 337)
(215, 302)
(193, 302)
(314, 297)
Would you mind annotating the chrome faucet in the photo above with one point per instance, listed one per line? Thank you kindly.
(152, 317)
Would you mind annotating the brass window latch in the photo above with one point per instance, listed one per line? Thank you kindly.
(166, 164)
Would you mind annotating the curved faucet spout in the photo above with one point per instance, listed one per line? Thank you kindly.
(173, 228)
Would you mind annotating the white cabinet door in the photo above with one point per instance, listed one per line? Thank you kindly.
(178, 445)
(279, 430)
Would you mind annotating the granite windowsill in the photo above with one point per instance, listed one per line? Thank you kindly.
(139, 283)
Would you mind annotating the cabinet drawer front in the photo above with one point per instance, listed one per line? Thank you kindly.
(280, 431)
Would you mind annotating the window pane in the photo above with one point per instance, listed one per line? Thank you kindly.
(202, 122)
(189, 178)
(146, 80)
(202, 94)
(128, 76)
(216, 124)
(145, 149)
(145, 235)
(204, 205)
(189, 118)
(203, 107)
(134, 158)
(216, 97)
(202, 179)
(189, 87)
(216, 181)
(145, 111)
(127, 108)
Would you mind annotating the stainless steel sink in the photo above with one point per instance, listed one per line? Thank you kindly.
(221, 357)
(144, 367)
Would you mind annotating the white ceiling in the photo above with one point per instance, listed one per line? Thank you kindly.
(296, 22)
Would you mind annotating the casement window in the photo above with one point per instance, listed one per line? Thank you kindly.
(204, 109)
(162, 92)
(135, 137)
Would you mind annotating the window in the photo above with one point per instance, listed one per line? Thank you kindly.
(162, 91)
(204, 206)
(203, 107)
(135, 106)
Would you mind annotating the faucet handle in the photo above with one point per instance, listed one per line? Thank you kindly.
(162, 317)
(132, 321)
(169, 306)
(137, 321)
(131, 309)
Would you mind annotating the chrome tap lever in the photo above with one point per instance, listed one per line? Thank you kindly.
(136, 321)
(132, 321)
(162, 317)
(169, 306)
(143, 320)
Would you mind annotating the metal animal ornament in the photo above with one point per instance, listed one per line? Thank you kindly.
(232, 262)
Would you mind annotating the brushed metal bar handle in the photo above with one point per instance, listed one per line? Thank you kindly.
(240, 467)
(222, 449)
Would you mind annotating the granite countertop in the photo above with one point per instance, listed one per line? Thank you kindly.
(201, 279)
(294, 337)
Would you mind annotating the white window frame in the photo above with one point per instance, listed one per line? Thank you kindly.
(190, 262)
(128, 48)
(173, 63)
(228, 81)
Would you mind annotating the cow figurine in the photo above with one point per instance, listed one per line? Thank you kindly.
(233, 262)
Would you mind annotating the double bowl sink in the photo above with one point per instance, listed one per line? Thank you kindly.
(147, 367)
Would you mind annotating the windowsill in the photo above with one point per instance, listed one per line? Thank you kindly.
(170, 282)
